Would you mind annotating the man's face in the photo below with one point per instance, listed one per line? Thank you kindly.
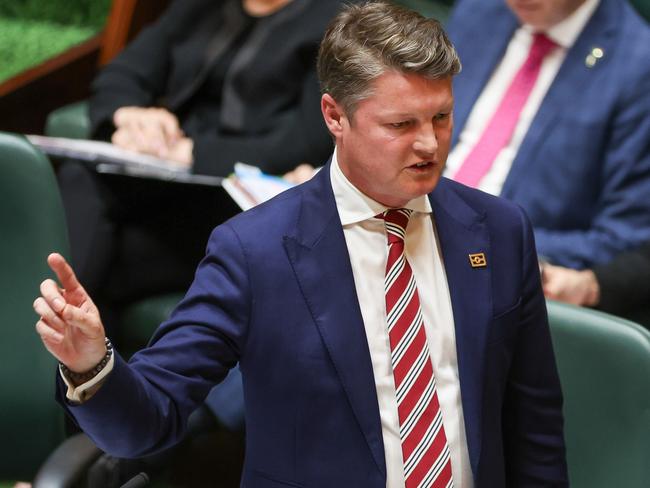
(395, 145)
(543, 14)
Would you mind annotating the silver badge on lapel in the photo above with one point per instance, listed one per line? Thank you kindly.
(593, 57)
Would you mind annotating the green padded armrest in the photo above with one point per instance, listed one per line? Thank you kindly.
(142, 318)
(69, 121)
(604, 367)
(32, 225)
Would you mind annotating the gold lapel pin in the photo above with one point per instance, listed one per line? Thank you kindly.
(593, 57)
(477, 260)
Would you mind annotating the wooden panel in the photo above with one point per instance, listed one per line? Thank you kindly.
(125, 21)
(27, 98)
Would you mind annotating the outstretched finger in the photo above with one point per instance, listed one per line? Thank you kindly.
(49, 336)
(53, 295)
(67, 278)
(49, 316)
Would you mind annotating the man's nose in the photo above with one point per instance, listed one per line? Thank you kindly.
(426, 142)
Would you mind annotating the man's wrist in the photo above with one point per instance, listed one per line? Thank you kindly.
(80, 378)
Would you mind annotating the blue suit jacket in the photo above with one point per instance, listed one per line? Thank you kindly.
(276, 293)
(582, 172)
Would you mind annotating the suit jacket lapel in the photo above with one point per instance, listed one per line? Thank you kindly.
(318, 254)
(462, 231)
(600, 31)
(320, 260)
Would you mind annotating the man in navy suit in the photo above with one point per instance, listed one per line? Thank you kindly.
(295, 291)
(578, 160)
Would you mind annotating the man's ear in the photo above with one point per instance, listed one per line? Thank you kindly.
(333, 114)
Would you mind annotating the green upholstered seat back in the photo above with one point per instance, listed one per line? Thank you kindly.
(69, 121)
(643, 7)
(438, 9)
(143, 317)
(31, 226)
(604, 367)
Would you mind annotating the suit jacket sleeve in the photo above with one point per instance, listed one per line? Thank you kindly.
(621, 217)
(532, 411)
(151, 398)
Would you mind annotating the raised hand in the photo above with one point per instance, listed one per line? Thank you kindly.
(70, 326)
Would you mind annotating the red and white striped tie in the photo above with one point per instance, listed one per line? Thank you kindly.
(424, 444)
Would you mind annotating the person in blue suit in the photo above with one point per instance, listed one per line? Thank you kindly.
(293, 292)
(578, 161)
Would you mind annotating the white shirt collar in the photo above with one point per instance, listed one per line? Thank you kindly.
(354, 206)
(567, 31)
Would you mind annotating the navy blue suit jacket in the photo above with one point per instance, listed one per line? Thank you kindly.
(276, 293)
(582, 172)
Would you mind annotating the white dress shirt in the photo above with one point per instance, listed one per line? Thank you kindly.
(564, 34)
(366, 241)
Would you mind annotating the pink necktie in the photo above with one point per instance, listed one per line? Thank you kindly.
(499, 130)
(425, 451)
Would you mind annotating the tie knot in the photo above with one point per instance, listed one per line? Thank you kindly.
(396, 221)
(541, 46)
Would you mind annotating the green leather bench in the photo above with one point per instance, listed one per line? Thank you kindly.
(31, 226)
(604, 367)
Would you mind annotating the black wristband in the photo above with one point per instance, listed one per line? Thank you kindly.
(81, 378)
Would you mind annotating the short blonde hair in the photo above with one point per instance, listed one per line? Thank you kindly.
(365, 40)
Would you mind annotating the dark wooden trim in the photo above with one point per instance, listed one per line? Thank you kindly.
(118, 25)
(126, 19)
(27, 98)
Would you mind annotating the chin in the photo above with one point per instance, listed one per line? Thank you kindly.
(423, 190)
(430, 185)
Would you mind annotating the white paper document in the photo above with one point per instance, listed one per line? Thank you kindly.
(112, 159)
(249, 186)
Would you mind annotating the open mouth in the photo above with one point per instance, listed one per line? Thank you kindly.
(422, 165)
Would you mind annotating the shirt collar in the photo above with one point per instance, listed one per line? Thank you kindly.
(565, 32)
(354, 206)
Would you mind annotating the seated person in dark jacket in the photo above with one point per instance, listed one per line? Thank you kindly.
(207, 85)
(212, 83)
(621, 287)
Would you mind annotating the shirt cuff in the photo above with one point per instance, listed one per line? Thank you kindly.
(85, 391)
